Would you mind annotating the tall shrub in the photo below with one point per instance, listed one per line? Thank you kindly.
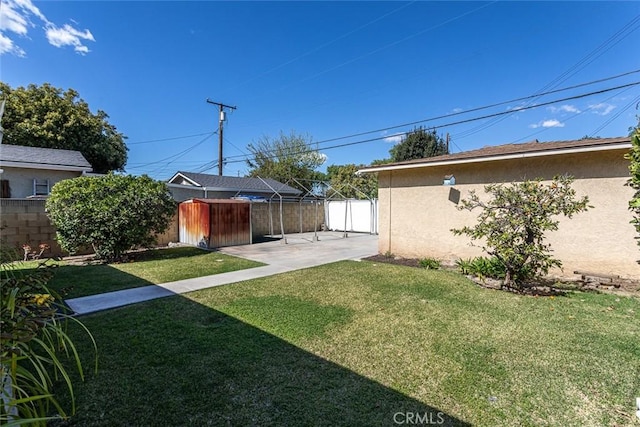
(111, 213)
(512, 224)
(634, 167)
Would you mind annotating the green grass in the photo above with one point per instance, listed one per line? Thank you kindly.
(148, 268)
(354, 343)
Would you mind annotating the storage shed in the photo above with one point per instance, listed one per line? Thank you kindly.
(213, 223)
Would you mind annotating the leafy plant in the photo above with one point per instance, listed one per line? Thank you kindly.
(634, 168)
(49, 117)
(33, 345)
(430, 263)
(488, 267)
(464, 265)
(111, 213)
(513, 222)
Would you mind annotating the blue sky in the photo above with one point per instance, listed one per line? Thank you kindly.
(329, 70)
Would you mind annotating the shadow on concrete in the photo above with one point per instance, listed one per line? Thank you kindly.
(173, 361)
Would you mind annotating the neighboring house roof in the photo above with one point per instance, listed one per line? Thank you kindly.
(509, 151)
(232, 183)
(20, 156)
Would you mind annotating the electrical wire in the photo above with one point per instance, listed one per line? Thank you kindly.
(170, 139)
(230, 159)
(573, 70)
(615, 116)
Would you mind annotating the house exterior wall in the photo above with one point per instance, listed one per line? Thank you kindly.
(21, 179)
(417, 212)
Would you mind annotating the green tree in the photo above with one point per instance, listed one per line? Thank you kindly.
(634, 168)
(111, 213)
(513, 222)
(48, 117)
(419, 144)
(347, 183)
(285, 157)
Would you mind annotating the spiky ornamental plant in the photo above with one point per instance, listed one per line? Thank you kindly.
(513, 223)
(33, 347)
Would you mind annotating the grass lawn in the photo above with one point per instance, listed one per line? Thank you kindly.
(149, 267)
(360, 343)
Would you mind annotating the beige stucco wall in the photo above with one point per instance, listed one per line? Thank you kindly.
(417, 212)
(21, 179)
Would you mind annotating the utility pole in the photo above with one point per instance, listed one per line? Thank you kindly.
(220, 125)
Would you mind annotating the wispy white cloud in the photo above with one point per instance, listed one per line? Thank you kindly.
(394, 139)
(553, 123)
(602, 108)
(69, 36)
(564, 109)
(17, 18)
(457, 110)
(7, 46)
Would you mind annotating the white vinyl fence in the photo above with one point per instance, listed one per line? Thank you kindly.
(352, 215)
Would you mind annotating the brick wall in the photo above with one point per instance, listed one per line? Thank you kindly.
(24, 221)
(297, 217)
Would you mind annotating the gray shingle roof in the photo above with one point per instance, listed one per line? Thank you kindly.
(43, 156)
(233, 183)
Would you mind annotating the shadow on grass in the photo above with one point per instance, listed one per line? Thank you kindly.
(173, 361)
(72, 281)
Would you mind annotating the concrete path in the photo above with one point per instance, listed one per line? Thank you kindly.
(301, 251)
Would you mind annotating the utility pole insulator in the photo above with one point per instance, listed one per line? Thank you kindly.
(221, 120)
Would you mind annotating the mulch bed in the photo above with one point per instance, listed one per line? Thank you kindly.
(551, 286)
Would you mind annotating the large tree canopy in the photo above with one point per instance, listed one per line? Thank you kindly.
(285, 157)
(418, 144)
(48, 117)
(345, 182)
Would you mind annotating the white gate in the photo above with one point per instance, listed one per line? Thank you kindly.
(352, 215)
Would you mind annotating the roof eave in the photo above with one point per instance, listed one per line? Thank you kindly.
(27, 165)
(574, 150)
(185, 178)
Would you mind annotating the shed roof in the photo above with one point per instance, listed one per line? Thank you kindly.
(233, 183)
(42, 158)
(510, 151)
(215, 201)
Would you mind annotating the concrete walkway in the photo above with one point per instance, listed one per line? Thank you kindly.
(301, 251)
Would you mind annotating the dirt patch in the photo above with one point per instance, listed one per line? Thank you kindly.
(547, 286)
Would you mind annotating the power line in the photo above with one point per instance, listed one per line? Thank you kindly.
(180, 154)
(615, 116)
(480, 108)
(169, 139)
(573, 70)
(454, 123)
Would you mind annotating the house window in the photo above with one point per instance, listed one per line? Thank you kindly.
(5, 190)
(40, 187)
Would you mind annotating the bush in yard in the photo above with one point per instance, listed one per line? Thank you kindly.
(634, 168)
(111, 213)
(513, 222)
